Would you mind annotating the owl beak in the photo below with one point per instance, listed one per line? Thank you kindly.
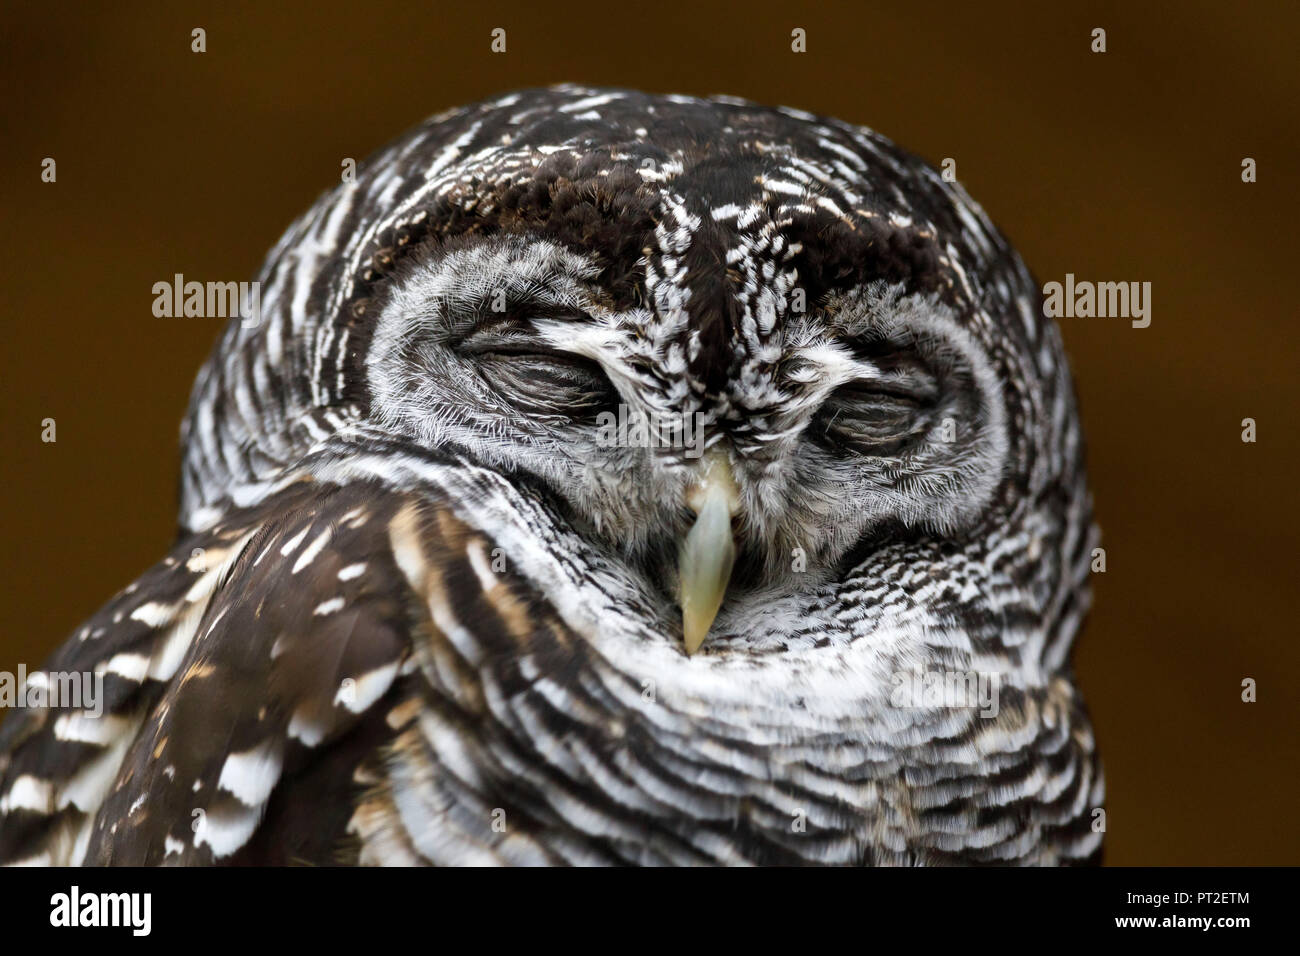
(709, 550)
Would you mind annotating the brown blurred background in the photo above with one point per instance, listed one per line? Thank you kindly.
(1119, 166)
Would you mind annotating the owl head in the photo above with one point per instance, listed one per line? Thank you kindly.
(743, 353)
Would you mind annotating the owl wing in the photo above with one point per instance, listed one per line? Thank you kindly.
(250, 683)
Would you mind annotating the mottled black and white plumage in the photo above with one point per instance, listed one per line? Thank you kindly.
(419, 613)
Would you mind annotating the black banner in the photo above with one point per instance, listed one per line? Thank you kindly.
(330, 906)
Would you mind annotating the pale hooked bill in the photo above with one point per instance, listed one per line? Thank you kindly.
(709, 550)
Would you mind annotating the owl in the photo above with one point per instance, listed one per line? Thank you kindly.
(607, 478)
